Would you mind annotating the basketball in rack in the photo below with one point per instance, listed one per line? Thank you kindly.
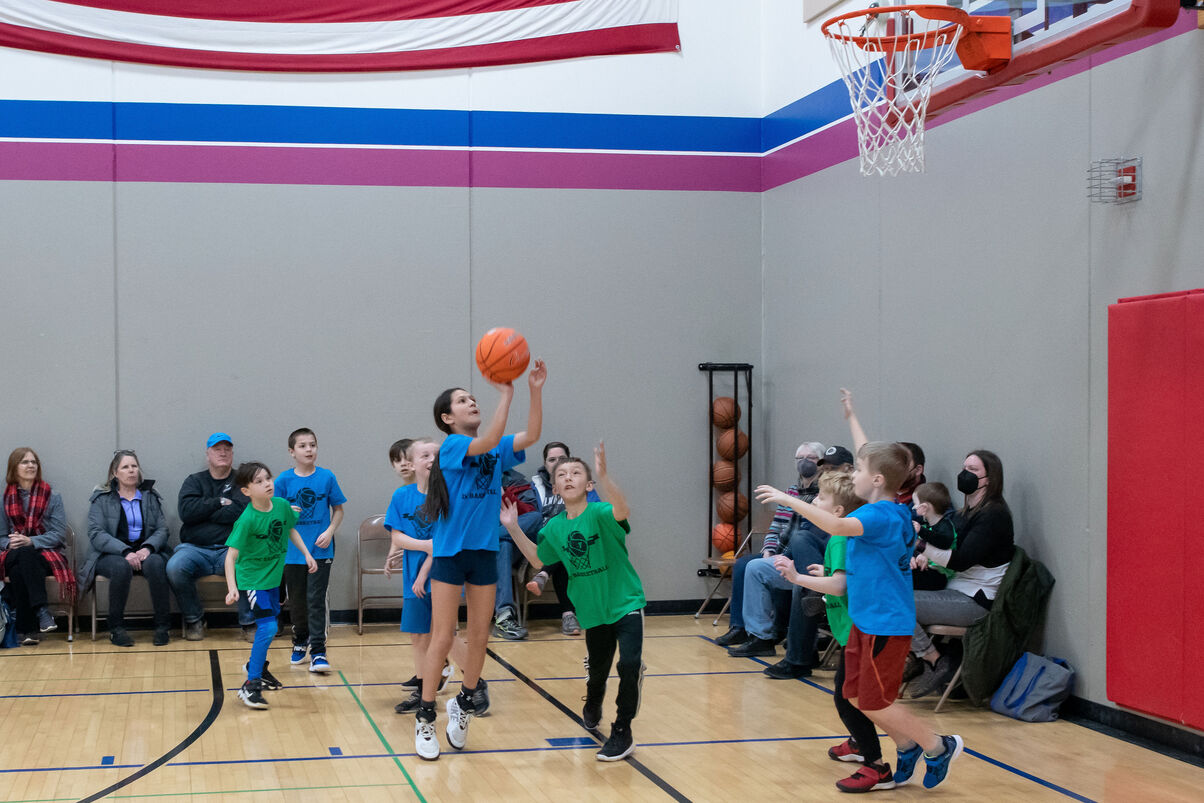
(890, 57)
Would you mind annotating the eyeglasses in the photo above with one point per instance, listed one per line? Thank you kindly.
(28, 463)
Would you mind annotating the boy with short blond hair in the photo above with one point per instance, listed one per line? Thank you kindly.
(882, 609)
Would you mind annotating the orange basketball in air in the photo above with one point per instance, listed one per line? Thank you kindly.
(731, 507)
(732, 444)
(723, 474)
(723, 536)
(502, 355)
(725, 412)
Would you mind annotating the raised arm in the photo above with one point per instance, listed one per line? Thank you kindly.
(617, 500)
(496, 428)
(530, 436)
(509, 520)
(828, 522)
(859, 438)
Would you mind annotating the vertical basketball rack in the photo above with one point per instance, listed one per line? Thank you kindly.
(738, 371)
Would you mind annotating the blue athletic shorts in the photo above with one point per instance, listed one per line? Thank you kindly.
(477, 567)
(263, 603)
(416, 615)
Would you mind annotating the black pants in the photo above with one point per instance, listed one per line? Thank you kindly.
(560, 583)
(860, 727)
(600, 643)
(27, 571)
(307, 603)
(120, 574)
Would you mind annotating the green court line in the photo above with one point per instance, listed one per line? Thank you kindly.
(221, 792)
(388, 747)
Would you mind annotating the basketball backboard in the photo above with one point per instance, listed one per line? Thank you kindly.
(1046, 33)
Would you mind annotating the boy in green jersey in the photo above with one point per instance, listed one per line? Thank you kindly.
(255, 565)
(836, 495)
(590, 539)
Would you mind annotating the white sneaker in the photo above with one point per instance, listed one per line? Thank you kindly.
(457, 724)
(426, 744)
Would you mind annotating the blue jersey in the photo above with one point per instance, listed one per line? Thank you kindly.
(315, 495)
(878, 565)
(474, 493)
(405, 517)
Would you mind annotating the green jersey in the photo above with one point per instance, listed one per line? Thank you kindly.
(838, 607)
(593, 548)
(262, 542)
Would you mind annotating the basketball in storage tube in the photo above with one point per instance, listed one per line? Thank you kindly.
(502, 355)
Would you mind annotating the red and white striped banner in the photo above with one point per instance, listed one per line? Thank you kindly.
(338, 35)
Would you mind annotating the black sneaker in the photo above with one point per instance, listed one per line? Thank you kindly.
(120, 637)
(45, 620)
(754, 647)
(784, 670)
(268, 681)
(162, 636)
(813, 606)
(735, 635)
(480, 699)
(251, 694)
(30, 639)
(412, 684)
(506, 626)
(619, 746)
(410, 703)
(591, 715)
(913, 668)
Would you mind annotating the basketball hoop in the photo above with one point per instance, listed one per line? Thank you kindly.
(890, 57)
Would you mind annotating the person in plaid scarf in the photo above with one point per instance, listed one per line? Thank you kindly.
(33, 531)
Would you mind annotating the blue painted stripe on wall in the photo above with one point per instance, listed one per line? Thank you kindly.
(203, 122)
(822, 107)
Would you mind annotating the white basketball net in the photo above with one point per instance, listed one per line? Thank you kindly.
(889, 61)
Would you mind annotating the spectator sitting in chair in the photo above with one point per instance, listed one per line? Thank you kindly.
(517, 490)
(209, 505)
(985, 544)
(33, 532)
(807, 458)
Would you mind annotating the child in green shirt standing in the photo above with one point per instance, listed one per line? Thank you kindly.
(255, 565)
(590, 539)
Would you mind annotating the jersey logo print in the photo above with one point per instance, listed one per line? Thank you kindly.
(486, 465)
(578, 546)
(421, 524)
(306, 499)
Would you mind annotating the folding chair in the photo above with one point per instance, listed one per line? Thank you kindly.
(373, 547)
(725, 569)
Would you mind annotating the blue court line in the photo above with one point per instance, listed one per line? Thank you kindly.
(336, 751)
(573, 741)
(98, 693)
(107, 761)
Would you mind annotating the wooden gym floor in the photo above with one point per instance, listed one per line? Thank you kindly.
(87, 721)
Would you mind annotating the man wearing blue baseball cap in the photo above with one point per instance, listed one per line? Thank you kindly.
(209, 505)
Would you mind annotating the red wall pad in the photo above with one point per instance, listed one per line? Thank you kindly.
(1155, 511)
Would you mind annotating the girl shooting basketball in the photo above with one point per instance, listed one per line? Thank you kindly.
(463, 502)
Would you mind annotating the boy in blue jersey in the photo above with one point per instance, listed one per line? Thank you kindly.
(882, 607)
(314, 493)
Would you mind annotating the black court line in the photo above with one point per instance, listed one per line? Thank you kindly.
(664, 785)
(215, 708)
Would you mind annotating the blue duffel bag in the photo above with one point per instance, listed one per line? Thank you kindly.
(1035, 689)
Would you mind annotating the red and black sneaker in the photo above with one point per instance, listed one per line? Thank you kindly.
(846, 751)
(868, 778)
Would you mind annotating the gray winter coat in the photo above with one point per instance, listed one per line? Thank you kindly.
(107, 527)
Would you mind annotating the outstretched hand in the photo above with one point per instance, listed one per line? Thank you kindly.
(600, 460)
(846, 402)
(785, 567)
(767, 494)
(537, 375)
(509, 514)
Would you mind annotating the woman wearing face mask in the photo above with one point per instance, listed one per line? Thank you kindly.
(986, 541)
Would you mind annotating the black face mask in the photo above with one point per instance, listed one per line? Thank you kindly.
(967, 482)
(807, 468)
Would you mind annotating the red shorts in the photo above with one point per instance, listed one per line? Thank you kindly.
(873, 668)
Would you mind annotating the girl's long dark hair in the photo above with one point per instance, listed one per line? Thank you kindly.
(437, 501)
(994, 494)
